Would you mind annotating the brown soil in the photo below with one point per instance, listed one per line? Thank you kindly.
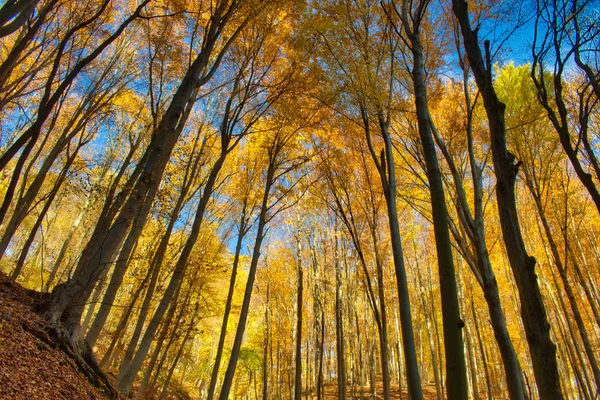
(331, 393)
(32, 366)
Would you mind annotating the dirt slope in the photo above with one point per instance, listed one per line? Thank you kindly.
(31, 364)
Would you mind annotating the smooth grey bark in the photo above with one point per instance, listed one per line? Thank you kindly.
(235, 112)
(578, 362)
(94, 300)
(173, 332)
(243, 229)
(298, 356)
(67, 299)
(339, 329)
(456, 370)
(537, 329)
(319, 354)
(260, 232)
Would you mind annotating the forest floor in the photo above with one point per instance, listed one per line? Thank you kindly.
(32, 366)
(331, 393)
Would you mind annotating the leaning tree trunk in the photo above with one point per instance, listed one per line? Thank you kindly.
(537, 329)
(243, 228)
(128, 374)
(66, 303)
(386, 168)
(237, 344)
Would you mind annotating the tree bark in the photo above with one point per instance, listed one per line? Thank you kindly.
(262, 222)
(298, 359)
(543, 350)
(456, 370)
(243, 229)
(102, 248)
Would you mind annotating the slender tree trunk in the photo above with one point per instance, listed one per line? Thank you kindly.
(102, 248)
(265, 388)
(243, 228)
(385, 166)
(262, 222)
(562, 272)
(127, 251)
(321, 354)
(482, 351)
(537, 329)
(123, 321)
(298, 366)
(127, 375)
(456, 370)
(38, 223)
(159, 343)
(179, 353)
(480, 262)
(339, 330)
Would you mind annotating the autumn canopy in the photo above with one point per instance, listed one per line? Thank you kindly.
(322, 199)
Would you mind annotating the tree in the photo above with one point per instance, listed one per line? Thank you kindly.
(543, 350)
(412, 17)
(110, 232)
(279, 149)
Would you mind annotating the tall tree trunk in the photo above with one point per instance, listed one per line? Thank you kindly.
(386, 167)
(298, 361)
(562, 272)
(265, 371)
(456, 370)
(159, 344)
(537, 329)
(123, 322)
(67, 299)
(243, 229)
(239, 334)
(127, 374)
(339, 329)
(127, 250)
